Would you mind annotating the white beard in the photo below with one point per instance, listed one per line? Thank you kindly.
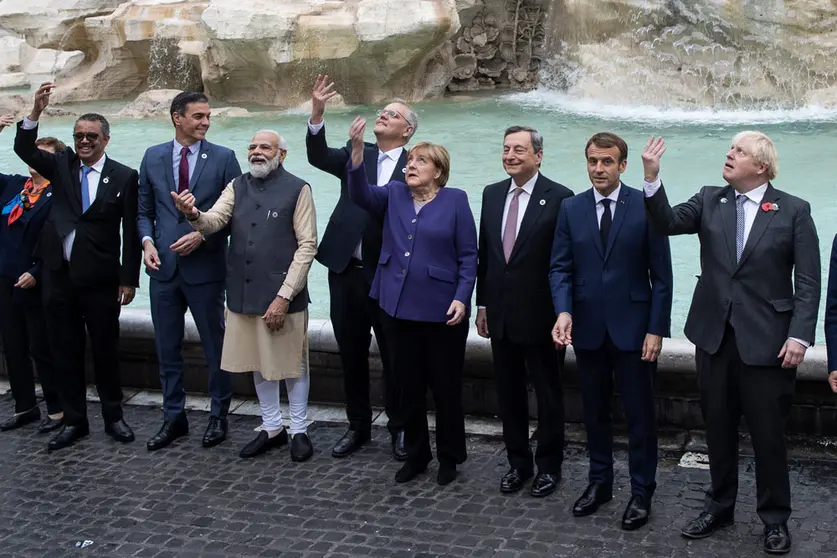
(264, 169)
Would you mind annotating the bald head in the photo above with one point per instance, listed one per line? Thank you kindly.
(266, 152)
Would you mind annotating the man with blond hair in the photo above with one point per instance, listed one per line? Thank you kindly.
(753, 316)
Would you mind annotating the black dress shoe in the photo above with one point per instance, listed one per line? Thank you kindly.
(704, 525)
(446, 474)
(399, 452)
(263, 442)
(68, 436)
(21, 419)
(636, 514)
(594, 496)
(544, 484)
(409, 471)
(514, 480)
(301, 447)
(777, 540)
(216, 432)
(120, 431)
(49, 424)
(351, 441)
(168, 433)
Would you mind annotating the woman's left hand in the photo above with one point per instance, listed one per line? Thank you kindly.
(457, 310)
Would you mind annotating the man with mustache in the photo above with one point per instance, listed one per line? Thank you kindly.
(85, 283)
(186, 268)
(350, 250)
(273, 241)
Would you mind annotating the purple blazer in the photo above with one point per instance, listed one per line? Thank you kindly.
(427, 260)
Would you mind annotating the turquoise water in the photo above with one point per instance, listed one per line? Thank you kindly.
(472, 130)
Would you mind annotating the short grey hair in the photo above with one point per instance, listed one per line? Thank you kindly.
(762, 149)
(411, 117)
(537, 138)
(280, 141)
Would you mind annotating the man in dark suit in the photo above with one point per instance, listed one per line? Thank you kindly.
(84, 281)
(187, 269)
(350, 249)
(753, 316)
(611, 284)
(515, 308)
(831, 317)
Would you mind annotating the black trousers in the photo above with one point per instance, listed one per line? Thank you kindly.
(354, 316)
(25, 338)
(763, 394)
(429, 354)
(544, 365)
(635, 379)
(69, 309)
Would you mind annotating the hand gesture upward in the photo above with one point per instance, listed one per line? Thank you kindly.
(41, 100)
(6, 120)
(356, 135)
(651, 158)
(322, 92)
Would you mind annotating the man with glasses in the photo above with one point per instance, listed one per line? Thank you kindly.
(350, 249)
(84, 281)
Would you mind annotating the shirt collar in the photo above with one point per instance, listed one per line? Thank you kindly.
(194, 148)
(393, 154)
(528, 187)
(98, 165)
(614, 195)
(756, 194)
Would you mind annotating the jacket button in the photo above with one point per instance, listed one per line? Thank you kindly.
(247, 262)
(246, 280)
(413, 221)
(406, 254)
(252, 224)
(403, 272)
(409, 237)
(258, 206)
(250, 243)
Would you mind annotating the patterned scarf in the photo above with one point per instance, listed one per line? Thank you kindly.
(24, 201)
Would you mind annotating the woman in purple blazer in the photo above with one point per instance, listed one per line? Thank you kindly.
(423, 284)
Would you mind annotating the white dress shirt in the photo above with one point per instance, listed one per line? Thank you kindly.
(386, 167)
(614, 197)
(751, 209)
(522, 203)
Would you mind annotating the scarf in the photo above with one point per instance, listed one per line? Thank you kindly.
(27, 198)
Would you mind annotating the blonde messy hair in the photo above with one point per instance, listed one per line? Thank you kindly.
(761, 148)
(437, 154)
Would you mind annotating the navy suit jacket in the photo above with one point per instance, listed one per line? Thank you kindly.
(18, 243)
(624, 291)
(159, 219)
(831, 309)
(427, 260)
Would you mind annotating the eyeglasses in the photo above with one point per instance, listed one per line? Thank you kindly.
(89, 136)
(392, 114)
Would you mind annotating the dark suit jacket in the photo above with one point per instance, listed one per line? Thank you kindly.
(516, 295)
(624, 291)
(18, 241)
(771, 294)
(831, 309)
(349, 223)
(96, 248)
(159, 219)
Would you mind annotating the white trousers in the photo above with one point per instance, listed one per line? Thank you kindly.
(268, 393)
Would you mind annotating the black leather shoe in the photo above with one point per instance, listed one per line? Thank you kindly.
(351, 441)
(409, 471)
(168, 433)
(446, 474)
(301, 447)
(68, 436)
(514, 480)
(120, 431)
(594, 496)
(544, 484)
(399, 452)
(777, 540)
(49, 424)
(704, 525)
(262, 442)
(216, 432)
(636, 514)
(21, 419)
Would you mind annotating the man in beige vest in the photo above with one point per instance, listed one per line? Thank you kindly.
(273, 241)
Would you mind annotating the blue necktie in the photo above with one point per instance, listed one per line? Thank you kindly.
(740, 221)
(85, 188)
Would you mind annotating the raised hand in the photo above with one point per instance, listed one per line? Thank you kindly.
(322, 92)
(185, 203)
(651, 158)
(356, 135)
(6, 120)
(41, 100)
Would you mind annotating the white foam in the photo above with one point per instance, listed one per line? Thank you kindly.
(563, 103)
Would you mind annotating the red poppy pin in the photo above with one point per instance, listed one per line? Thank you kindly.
(769, 206)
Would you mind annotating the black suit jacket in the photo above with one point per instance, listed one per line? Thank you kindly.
(771, 294)
(349, 224)
(95, 257)
(516, 294)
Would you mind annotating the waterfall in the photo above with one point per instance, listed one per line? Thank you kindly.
(170, 68)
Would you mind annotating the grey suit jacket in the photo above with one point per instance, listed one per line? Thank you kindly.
(771, 294)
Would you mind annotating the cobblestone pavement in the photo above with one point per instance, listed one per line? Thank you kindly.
(188, 501)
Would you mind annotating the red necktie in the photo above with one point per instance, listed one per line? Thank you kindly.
(510, 230)
(183, 171)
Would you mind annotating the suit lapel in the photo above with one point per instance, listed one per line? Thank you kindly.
(398, 172)
(75, 199)
(592, 221)
(727, 210)
(760, 224)
(621, 209)
(540, 193)
(105, 182)
(495, 205)
(168, 164)
(370, 158)
(203, 155)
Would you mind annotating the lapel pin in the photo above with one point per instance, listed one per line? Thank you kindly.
(723, 200)
(275, 215)
(543, 202)
(404, 170)
(203, 155)
(118, 194)
(106, 180)
(769, 206)
(49, 194)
